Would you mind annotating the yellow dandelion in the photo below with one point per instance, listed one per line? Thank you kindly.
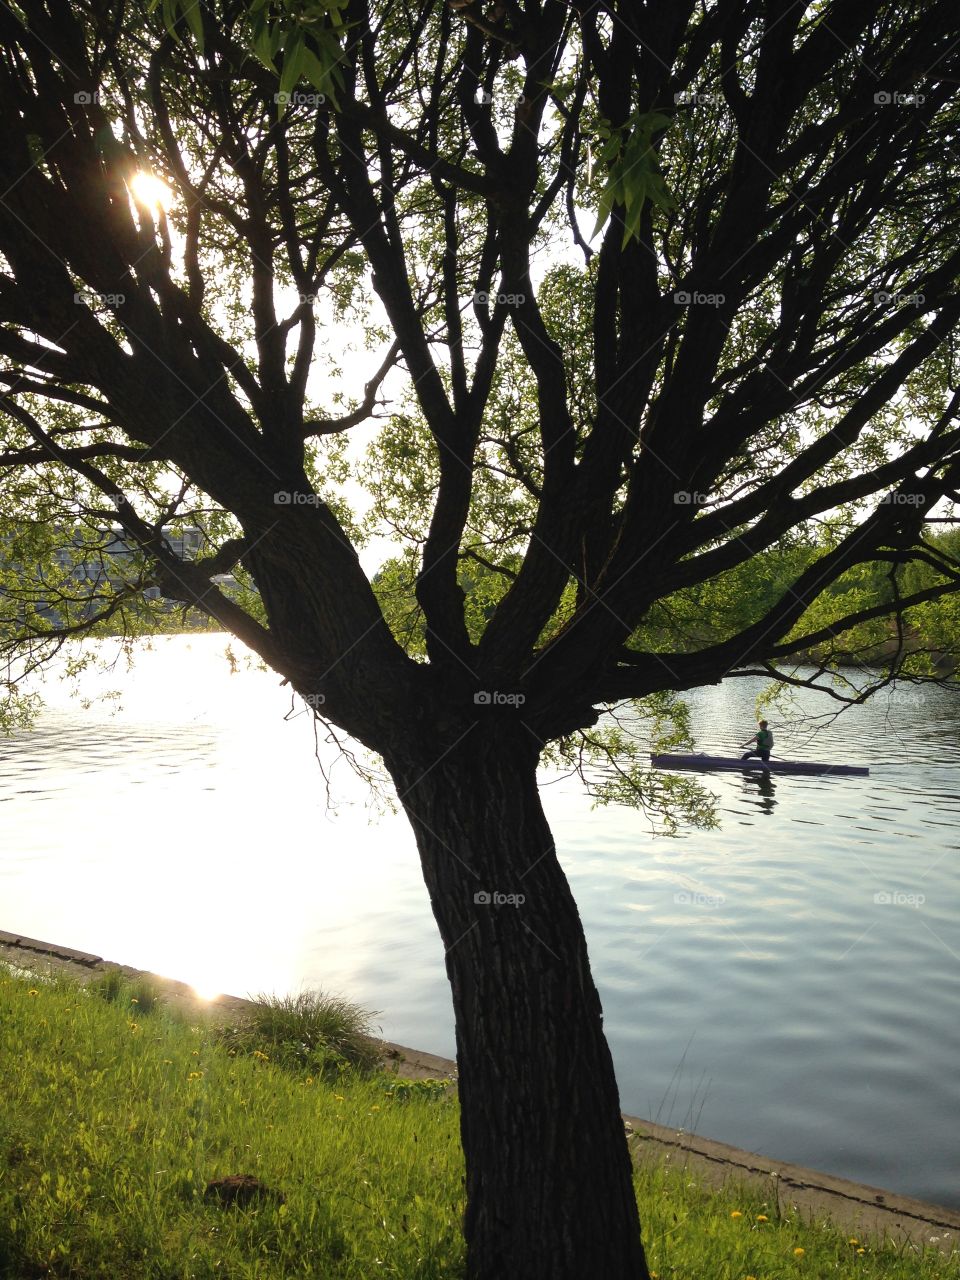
(736, 1214)
(133, 1026)
(339, 1097)
(33, 992)
(195, 1075)
(134, 1000)
(309, 1079)
(861, 1250)
(853, 1240)
(762, 1217)
(262, 1056)
(798, 1253)
(374, 1108)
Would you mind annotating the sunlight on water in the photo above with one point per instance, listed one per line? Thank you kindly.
(789, 983)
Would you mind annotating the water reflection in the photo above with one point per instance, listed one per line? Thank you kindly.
(763, 977)
(762, 785)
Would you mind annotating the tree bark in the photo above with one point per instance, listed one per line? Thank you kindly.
(548, 1174)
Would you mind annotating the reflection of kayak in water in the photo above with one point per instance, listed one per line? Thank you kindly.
(710, 763)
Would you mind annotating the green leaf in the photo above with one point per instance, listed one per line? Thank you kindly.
(194, 18)
(314, 72)
(607, 199)
(261, 40)
(292, 64)
(633, 171)
(631, 225)
(189, 10)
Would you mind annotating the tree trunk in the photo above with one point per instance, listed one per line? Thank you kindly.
(549, 1187)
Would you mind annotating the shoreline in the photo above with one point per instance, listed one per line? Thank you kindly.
(814, 1195)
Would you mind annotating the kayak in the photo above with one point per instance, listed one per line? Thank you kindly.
(710, 763)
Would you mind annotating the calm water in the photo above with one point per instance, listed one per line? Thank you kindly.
(789, 983)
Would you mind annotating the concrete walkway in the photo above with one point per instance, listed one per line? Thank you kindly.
(867, 1212)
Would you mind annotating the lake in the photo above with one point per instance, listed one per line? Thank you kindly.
(789, 983)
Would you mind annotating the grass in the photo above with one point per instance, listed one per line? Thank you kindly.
(112, 1123)
(138, 996)
(694, 1233)
(310, 1032)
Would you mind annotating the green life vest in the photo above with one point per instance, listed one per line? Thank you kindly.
(764, 739)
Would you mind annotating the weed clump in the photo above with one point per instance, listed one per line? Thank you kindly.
(311, 1033)
(109, 986)
(140, 995)
(399, 1089)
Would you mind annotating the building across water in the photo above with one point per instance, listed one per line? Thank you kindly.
(80, 573)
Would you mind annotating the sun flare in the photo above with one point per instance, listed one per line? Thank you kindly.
(151, 192)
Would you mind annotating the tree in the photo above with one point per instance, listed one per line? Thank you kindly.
(755, 345)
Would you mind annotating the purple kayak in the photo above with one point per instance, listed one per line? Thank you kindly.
(714, 763)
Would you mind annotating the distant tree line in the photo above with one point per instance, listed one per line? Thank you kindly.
(925, 642)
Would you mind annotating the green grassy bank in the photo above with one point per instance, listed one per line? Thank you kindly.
(114, 1120)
